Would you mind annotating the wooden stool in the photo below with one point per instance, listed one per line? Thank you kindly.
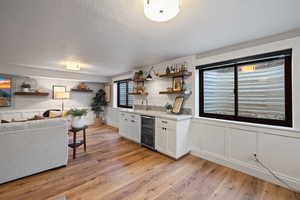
(74, 143)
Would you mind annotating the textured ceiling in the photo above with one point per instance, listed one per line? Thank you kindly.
(113, 36)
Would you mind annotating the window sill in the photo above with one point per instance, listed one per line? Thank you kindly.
(125, 109)
(261, 127)
(121, 109)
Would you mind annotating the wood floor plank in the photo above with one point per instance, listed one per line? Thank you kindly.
(251, 189)
(63, 183)
(112, 182)
(230, 186)
(116, 168)
(153, 184)
(190, 184)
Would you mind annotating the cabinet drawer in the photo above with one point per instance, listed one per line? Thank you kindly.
(169, 124)
(133, 116)
(123, 116)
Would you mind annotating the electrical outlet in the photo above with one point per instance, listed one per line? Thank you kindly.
(254, 157)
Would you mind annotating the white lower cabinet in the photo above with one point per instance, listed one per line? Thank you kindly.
(160, 139)
(130, 126)
(171, 137)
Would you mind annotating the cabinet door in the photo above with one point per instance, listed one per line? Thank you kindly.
(123, 125)
(136, 130)
(133, 129)
(161, 140)
(171, 142)
(133, 124)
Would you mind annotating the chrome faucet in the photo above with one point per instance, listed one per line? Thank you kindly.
(147, 105)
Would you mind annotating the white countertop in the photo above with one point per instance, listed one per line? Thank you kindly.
(158, 114)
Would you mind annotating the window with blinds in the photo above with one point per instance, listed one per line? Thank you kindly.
(254, 89)
(124, 99)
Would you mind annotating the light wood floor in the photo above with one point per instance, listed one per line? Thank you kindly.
(115, 168)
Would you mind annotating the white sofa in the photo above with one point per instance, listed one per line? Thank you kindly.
(29, 113)
(28, 148)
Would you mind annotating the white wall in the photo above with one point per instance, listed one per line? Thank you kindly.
(153, 88)
(111, 111)
(42, 103)
(233, 143)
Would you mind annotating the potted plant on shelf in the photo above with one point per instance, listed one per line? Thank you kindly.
(78, 117)
(25, 87)
(169, 108)
(98, 104)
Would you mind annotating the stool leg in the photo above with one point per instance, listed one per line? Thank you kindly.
(84, 139)
(74, 142)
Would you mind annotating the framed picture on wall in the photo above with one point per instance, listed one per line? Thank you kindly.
(177, 84)
(177, 105)
(5, 92)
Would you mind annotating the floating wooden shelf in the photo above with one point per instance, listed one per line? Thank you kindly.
(32, 93)
(171, 92)
(176, 74)
(140, 80)
(138, 93)
(81, 90)
(134, 93)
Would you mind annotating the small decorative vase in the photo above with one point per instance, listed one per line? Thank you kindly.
(187, 92)
(25, 89)
(168, 70)
(169, 111)
(78, 122)
(184, 86)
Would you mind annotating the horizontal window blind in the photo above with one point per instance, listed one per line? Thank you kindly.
(130, 97)
(219, 91)
(261, 92)
(123, 93)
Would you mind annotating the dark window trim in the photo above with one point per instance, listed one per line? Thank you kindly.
(288, 122)
(118, 86)
(248, 59)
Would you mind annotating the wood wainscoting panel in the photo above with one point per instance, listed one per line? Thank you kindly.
(116, 168)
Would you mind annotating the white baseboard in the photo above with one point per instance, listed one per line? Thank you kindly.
(248, 169)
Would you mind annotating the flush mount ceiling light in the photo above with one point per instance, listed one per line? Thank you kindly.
(73, 66)
(70, 65)
(161, 10)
